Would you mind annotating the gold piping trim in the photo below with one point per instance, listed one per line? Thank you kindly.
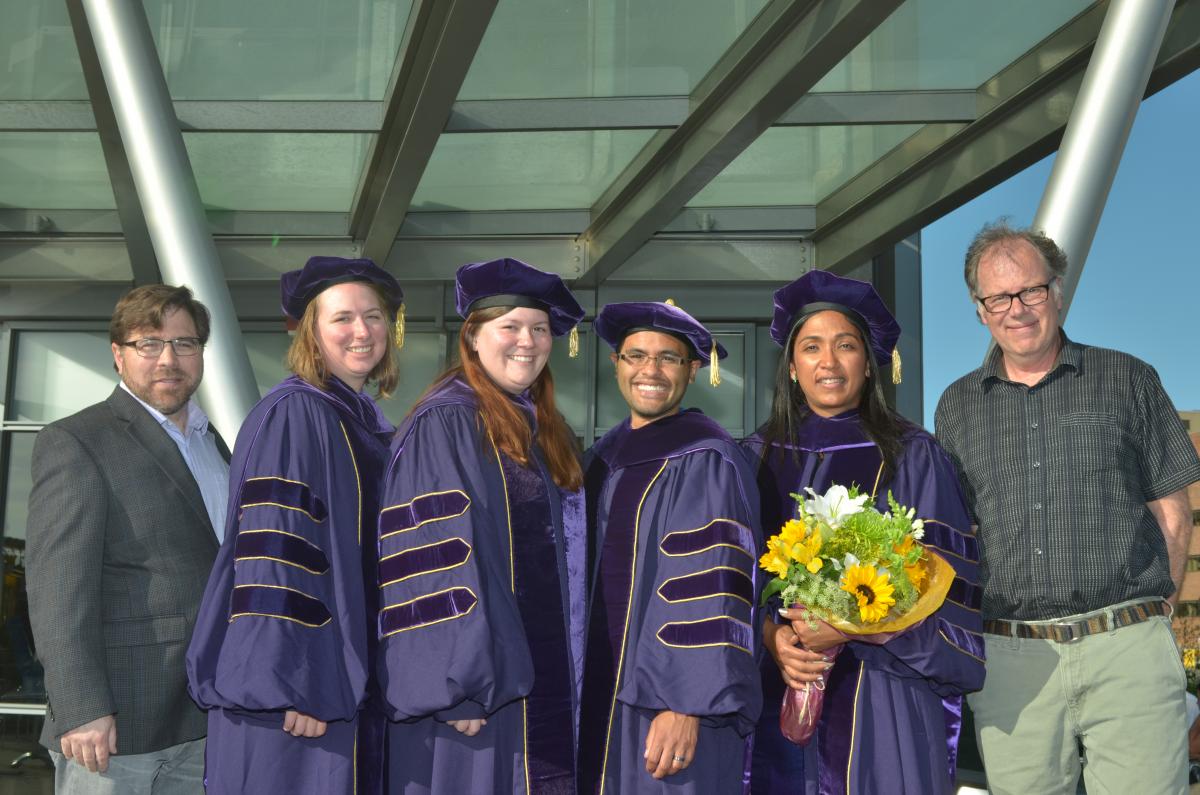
(281, 560)
(962, 533)
(431, 623)
(432, 518)
(878, 477)
(951, 553)
(637, 522)
(854, 724)
(703, 645)
(956, 647)
(285, 480)
(273, 615)
(470, 551)
(710, 546)
(280, 505)
(708, 595)
(964, 607)
(357, 480)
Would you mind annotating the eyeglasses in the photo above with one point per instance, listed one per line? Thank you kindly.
(150, 348)
(665, 360)
(1030, 296)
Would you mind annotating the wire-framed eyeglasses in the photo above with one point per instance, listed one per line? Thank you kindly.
(1030, 296)
(665, 360)
(151, 348)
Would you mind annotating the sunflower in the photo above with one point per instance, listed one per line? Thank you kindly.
(775, 559)
(871, 589)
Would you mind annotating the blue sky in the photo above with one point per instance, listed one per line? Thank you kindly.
(1140, 288)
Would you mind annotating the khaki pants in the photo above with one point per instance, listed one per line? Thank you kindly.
(1119, 694)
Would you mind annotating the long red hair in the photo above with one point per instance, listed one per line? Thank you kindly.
(505, 423)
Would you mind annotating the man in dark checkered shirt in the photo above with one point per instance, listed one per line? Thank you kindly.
(1075, 467)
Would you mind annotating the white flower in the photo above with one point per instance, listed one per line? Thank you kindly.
(850, 560)
(918, 529)
(834, 505)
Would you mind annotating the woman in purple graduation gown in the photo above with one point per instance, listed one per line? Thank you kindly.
(892, 712)
(482, 556)
(284, 643)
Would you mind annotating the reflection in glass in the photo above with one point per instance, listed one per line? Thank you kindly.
(60, 372)
(53, 171)
(21, 677)
(724, 403)
(542, 171)
(800, 165)
(40, 59)
(603, 48)
(947, 44)
(299, 172)
(571, 380)
(277, 49)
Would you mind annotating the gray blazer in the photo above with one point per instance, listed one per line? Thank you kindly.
(118, 552)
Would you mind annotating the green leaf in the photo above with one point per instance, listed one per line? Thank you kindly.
(773, 587)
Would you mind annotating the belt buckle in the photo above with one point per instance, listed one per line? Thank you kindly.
(1072, 630)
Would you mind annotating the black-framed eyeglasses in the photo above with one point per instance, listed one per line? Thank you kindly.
(151, 348)
(1030, 296)
(665, 360)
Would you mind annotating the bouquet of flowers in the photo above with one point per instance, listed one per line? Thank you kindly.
(861, 571)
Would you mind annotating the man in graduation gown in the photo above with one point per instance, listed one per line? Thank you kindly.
(671, 689)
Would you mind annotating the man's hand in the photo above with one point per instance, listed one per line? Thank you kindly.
(298, 724)
(813, 633)
(797, 665)
(671, 743)
(468, 726)
(92, 743)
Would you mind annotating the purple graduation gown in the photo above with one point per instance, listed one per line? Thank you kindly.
(673, 525)
(482, 570)
(892, 712)
(287, 617)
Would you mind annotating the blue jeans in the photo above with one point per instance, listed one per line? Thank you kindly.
(178, 770)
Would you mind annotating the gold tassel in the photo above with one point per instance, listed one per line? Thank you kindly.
(398, 328)
(573, 342)
(714, 366)
(896, 366)
(669, 302)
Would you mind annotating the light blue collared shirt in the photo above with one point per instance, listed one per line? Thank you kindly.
(199, 451)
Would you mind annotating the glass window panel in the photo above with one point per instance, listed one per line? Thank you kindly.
(420, 361)
(535, 171)
(40, 58)
(800, 165)
(60, 372)
(603, 48)
(301, 172)
(725, 403)
(277, 49)
(54, 171)
(571, 379)
(944, 44)
(21, 677)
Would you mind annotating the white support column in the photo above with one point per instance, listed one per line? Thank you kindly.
(169, 198)
(1108, 101)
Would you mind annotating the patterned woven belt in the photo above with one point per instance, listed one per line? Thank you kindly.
(1090, 624)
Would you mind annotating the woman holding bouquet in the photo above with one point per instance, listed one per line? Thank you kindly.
(893, 710)
(482, 564)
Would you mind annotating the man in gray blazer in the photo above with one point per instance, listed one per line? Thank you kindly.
(127, 506)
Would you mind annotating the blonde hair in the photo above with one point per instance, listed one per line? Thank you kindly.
(305, 360)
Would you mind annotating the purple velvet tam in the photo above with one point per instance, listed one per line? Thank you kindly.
(818, 290)
(512, 283)
(298, 288)
(617, 321)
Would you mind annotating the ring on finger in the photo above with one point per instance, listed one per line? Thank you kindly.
(680, 759)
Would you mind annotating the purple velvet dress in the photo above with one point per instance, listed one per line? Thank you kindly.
(288, 614)
(673, 525)
(892, 712)
(482, 571)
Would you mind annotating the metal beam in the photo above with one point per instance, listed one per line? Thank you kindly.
(142, 259)
(502, 115)
(1095, 136)
(439, 44)
(788, 47)
(1024, 110)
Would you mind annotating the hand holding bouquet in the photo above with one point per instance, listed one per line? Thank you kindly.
(861, 571)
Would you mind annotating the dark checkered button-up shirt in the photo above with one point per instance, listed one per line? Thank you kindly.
(1058, 475)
